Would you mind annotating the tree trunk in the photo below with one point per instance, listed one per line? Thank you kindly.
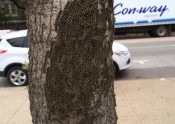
(71, 71)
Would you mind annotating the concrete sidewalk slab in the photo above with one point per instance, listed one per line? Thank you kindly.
(22, 116)
(146, 101)
(12, 101)
(138, 102)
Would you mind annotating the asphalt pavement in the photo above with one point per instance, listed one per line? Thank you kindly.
(151, 58)
(148, 101)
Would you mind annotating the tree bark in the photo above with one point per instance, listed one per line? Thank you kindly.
(71, 70)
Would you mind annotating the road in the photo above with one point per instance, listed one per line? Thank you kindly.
(151, 58)
(3, 82)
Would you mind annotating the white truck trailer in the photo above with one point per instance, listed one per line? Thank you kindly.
(157, 17)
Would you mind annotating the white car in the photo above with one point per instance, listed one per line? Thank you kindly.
(121, 56)
(13, 54)
(3, 32)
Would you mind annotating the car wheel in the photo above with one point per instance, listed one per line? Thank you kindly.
(17, 76)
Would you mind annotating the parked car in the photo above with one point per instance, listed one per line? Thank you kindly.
(13, 54)
(121, 57)
(3, 32)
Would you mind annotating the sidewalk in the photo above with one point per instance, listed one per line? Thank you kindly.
(138, 102)
(14, 106)
(146, 101)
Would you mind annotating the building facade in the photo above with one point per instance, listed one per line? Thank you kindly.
(11, 17)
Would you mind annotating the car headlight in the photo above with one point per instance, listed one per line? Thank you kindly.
(124, 53)
(121, 53)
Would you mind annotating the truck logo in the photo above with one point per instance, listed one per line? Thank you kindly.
(119, 9)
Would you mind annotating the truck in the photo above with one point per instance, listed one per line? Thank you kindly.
(157, 18)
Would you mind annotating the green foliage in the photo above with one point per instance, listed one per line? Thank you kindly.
(26, 87)
(25, 66)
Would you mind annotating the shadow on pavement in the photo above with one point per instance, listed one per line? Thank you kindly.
(4, 83)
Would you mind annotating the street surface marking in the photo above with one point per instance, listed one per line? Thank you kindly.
(162, 79)
(142, 62)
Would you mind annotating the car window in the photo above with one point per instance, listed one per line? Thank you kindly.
(26, 42)
(17, 42)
